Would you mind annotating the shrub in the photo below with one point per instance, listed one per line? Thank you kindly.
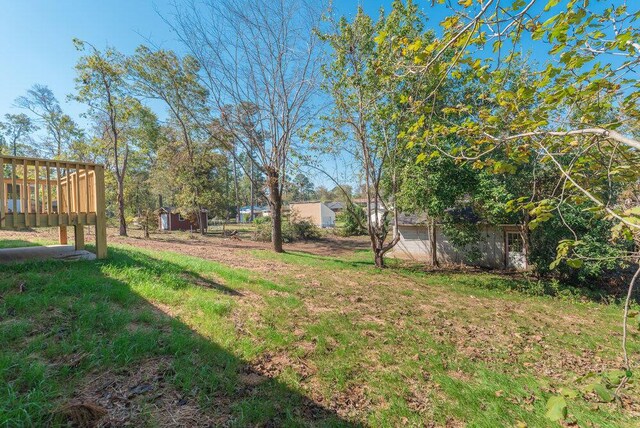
(349, 219)
(292, 230)
(601, 255)
(300, 230)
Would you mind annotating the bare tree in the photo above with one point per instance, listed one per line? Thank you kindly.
(259, 63)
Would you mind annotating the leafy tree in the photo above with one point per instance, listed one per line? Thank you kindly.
(578, 113)
(101, 84)
(353, 220)
(15, 134)
(162, 75)
(300, 188)
(368, 111)
(62, 134)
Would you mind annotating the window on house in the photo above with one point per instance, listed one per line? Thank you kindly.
(514, 242)
(180, 218)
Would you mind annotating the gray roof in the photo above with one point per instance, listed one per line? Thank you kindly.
(406, 219)
(335, 205)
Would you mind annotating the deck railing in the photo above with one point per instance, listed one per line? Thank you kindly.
(53, 193)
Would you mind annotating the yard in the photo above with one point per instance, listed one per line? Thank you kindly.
(205, 331)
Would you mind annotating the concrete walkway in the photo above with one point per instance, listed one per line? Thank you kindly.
(57, 252)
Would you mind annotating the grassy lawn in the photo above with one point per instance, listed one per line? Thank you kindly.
(155, 338)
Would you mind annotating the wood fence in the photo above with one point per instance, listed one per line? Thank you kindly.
(53, 193)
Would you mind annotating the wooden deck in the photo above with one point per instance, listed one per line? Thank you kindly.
(53, 193)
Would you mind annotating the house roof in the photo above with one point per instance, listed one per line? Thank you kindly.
(307, 203)
(406, 219)
(458, 215)
(335, 205)
(464, 214)
(168, 209)
(256, 209)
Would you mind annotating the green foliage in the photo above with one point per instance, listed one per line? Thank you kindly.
(292, 230)
(556, 408)
(354, 221)
(464, 236)
(15, 134)
(587, 260)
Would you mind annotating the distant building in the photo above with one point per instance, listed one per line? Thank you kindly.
(258, 211)
(336, 207)
(169, 219)
(500, 246)
(316, 212)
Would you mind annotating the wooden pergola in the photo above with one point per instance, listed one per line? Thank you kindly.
(54, 193)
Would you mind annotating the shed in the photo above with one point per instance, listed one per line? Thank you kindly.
(169, 219)
(316, 212)
(500, 246)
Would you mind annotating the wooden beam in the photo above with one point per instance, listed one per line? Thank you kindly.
(49, 203)
(79, 236)
(31, 161)
(101, 218)
(13, 190)
(25, 193)
(86, 182)
(2, 185)
(62, 235)
(37, 194)
(58, 190)
(76, 206)
(68, 185)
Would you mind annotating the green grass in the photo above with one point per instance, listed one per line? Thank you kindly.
(375, 347)
(17, 243)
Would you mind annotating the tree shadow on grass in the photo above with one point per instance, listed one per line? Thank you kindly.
(79, 345)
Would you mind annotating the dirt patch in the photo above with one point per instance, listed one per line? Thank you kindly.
(137, 396)
(271, 365)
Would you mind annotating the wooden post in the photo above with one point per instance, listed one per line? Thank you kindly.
(36, 189)
(86, 183)
(68, 185)
(49, 203)
(76, 205)
(25, 194)
(79, 236)
(2, 213)
(62, 235)
(101, 218)
(14, 190)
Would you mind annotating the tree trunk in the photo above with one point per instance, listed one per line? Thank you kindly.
(378, 258)
(434, 243)
(252, 197)
(275, 202)
(235, 188)
(121, 215)
(201, 221)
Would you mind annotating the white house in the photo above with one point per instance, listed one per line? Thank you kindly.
(499, 247)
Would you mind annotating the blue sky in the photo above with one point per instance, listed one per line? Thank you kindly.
(36, 47)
